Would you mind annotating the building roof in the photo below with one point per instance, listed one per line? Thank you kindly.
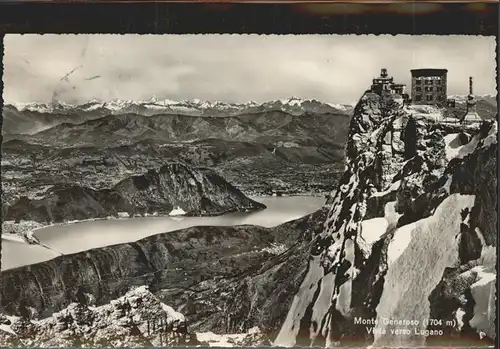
(428, 72)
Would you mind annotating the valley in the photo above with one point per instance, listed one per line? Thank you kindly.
(265, 153)
(233, 171)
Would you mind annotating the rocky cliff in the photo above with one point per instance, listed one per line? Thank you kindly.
(410, 236)
(137, 319)
(195, 191)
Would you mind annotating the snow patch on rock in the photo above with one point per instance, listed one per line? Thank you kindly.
(343, 303)
(253, 337)
(426, 248)
(177, 212)
(290, 329)
(453, 147)
(400, 242)
(483, 293)
(275, 249)
(373, 229)
(393, 187)
(460, 151)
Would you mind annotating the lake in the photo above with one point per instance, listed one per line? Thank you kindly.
(77, 237)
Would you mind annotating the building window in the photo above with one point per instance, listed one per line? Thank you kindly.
(429, 97)
(418, 98)
(428, 82)
(418, 89)
(438, 81)
(439, 89)
(419, 82)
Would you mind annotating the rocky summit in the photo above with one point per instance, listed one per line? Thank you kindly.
(175, 185)
(406, 257)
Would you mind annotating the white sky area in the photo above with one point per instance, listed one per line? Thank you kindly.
(233, 68)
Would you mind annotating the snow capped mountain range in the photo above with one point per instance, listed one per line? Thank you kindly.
(194, 107)
(463, 98)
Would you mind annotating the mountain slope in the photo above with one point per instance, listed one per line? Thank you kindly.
(33, 117)
(266, 127)
(137, 319)
(29, 169)
(406, 224)
(223, 279)
(31, 121)
(195, 191)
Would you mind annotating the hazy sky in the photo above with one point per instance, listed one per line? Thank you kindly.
(232, 68)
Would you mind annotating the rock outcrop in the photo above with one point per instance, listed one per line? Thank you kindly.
(138, 319)
(196, 191)
(410, 236)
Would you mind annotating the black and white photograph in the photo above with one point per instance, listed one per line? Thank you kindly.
(248, 190)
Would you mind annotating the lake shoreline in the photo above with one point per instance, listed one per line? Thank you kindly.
(30, 233)
(75, 236)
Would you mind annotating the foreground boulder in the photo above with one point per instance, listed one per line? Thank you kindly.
(137, 319)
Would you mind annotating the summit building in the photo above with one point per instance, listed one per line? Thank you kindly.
(428, 86)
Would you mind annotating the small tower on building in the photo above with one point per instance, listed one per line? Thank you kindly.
(471, 100)
(382, 83)
(385, 84)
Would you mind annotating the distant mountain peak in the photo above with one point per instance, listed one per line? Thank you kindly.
(194, 107)
(292, 100)
(463, 97)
